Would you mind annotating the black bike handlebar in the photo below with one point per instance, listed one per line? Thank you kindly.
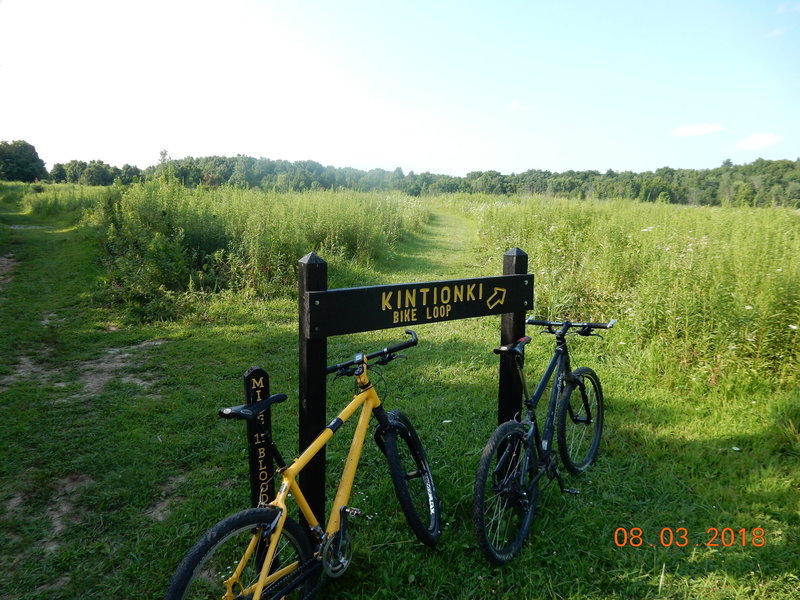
(384, 352)
(570, 324)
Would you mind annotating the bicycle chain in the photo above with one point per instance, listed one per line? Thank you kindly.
(294, 580)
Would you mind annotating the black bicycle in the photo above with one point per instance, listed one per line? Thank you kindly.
(519, 454)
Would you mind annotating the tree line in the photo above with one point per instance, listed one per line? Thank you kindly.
(19, 161)
(760, 183)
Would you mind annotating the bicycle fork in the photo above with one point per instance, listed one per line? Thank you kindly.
(256, 552)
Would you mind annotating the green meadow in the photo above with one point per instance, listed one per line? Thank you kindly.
(128, 316)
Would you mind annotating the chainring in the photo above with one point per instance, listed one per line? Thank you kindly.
(337, 557)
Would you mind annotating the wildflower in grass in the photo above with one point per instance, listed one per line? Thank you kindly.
(748, 307)
(648, 228)
(793, 327)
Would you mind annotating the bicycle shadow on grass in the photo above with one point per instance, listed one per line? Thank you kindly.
(645, 477)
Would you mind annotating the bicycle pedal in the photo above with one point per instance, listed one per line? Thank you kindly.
(352, 511)
(567, 490)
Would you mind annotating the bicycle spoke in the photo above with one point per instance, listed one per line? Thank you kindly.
(577, 434)
(227, 562)
(504, 494)
(580, 421)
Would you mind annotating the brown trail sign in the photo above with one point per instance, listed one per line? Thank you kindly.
(325, 313)
(354, 310)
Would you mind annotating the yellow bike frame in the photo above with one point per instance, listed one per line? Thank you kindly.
(367, 399)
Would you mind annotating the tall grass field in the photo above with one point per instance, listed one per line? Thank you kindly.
(128, 316)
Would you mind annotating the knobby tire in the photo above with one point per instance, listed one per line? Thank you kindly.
(412, 478)
(579, 421)
(504, 498)
(214, 558)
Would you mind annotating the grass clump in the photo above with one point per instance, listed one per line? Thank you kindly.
(713, 291)
(67, 201)
(163, 240)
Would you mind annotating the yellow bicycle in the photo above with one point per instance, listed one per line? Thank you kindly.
(262, 553)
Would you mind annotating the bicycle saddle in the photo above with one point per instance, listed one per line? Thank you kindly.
(249, 412)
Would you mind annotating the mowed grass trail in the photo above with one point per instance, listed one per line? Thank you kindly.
(113, 460)
(443, 249)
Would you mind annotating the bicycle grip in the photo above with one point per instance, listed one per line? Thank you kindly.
(608, 325)
(396, 348)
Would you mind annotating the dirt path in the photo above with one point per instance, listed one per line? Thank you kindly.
(45, 271)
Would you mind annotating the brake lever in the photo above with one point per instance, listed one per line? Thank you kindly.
(344, 373)
(389, 358)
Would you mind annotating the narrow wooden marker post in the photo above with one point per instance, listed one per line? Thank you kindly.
(262, 468)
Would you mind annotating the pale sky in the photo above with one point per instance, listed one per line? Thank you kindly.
(447, 87)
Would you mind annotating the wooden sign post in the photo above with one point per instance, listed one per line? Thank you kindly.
(325, 313)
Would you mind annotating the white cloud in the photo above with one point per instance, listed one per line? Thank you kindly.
(776, 33)
(758, 141)
(788, 7)
(698, 129)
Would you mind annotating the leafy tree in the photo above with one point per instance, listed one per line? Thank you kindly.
(129, 174)
(743, 193)
(74, 170)
(412, 185)
(99, 173)
(489, 182)
(58, 173)
(20, 162)
(396, 179)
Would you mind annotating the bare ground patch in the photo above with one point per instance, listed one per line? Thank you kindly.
(54, 586)
(94, 374)
(160, 510)
(25, 369)
(97, 373)
(15, 501)
(22, 227)
(7, 263)
(50, 318)
(62, 511)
